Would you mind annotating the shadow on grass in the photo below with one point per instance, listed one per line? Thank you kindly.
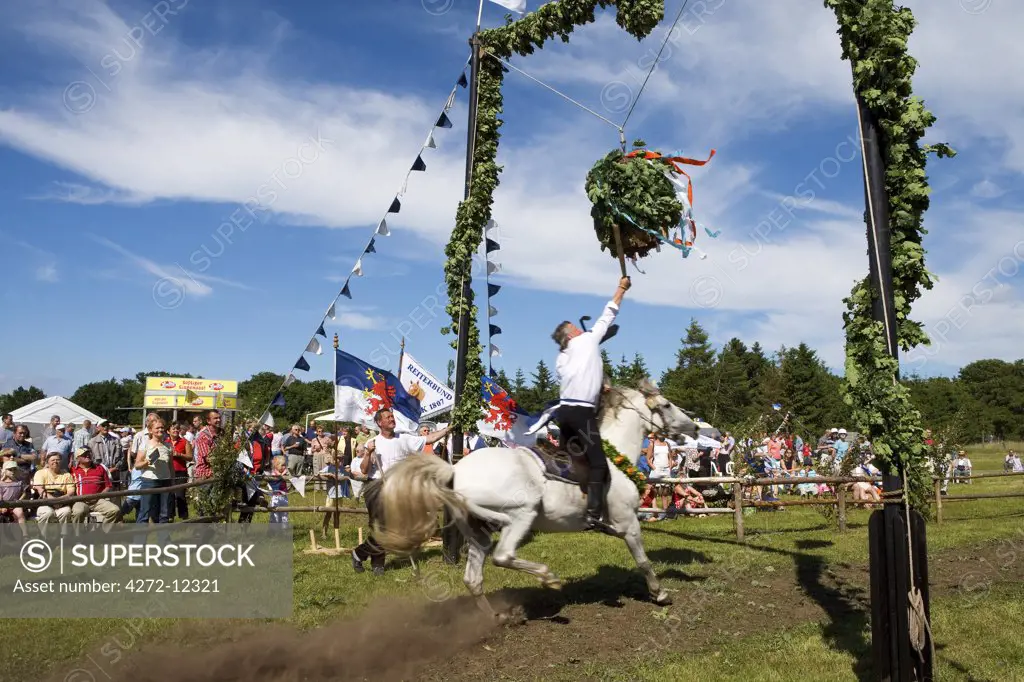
(846, 605)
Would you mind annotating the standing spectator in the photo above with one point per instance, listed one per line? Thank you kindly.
(51, 428)
(133, 502)
(12, 489)
(106, 451)
(661, 459)
(179, 465)
(323, 451)
(294, 447)
(278, 483)
(842, 447)
(729, 444)
(82, 436)
(275, 443)
(333, 473)
(126, 441)
(6, 429)
(140, 439)
(91, 480)
(22, 450)
(204, 445)
(355, 472)
(51, 483)
(154, 460)
(57, 443)
(388, 449)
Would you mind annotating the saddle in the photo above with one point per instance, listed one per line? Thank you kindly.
(560, 466)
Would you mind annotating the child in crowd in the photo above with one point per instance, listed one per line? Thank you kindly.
(133, 502)
(334, 475)
(807, 489)
(12, 489)
(278, 483)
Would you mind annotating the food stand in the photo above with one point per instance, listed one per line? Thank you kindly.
(180, 396)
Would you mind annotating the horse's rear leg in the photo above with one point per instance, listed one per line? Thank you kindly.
(636, 547)
(511, 537)
(479, 541)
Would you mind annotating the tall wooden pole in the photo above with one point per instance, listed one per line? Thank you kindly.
(893, 569)
(452, 539)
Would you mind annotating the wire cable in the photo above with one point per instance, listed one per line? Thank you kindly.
(655, 64)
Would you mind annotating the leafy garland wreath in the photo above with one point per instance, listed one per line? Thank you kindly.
(625, 466)
(873, 35)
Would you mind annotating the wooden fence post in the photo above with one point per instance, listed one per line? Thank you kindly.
(737, 500)
(938, 500)
(841, 493)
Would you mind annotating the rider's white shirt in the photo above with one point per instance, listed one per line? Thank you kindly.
(579, 367)
(391, 451)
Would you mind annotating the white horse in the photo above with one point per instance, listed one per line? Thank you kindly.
(506, 489)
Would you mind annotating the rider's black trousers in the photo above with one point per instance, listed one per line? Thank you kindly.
(580, 437)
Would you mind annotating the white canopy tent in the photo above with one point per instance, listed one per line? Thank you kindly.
(37, 415)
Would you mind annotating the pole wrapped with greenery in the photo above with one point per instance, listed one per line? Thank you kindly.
(874, 37)
(522, 37)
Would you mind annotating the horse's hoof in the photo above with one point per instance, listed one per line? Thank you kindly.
(552, 582)
(663, 599)
(512, 617)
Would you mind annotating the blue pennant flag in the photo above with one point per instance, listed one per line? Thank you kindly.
(495, 330)
(278, 400)
(360, 389)
(370, 247)
(492, 289)
(419, 164)
(492, 245)
(345, 291)
(302, 364)
(443, 121)
(320, 330)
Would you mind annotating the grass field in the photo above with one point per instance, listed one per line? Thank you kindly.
(789, 604)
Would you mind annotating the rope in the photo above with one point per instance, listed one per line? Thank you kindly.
(557, 92)
(656, 62)
(917, 619)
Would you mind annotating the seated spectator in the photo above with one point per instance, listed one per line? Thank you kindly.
(51, 484)
(90, 480)
(12, 489)
(807, 489)
(1013, 462)
(866, 492)
(22, 451)
(689, 497)
(962, 468)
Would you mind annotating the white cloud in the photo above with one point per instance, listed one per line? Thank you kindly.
(181, 126)
(47, 273)
(986, 189)
(86, 195)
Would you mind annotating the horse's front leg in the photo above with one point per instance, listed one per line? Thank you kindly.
(636, 547)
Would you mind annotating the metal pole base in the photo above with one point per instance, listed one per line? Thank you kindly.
(895, 659)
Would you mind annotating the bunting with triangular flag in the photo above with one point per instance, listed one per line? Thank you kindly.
(493, 289)
(382, 229)
(495, 330)
(491, 310)
(492, 245)
(493, 267)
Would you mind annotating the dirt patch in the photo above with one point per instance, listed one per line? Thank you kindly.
(390, 641)
(604, 619)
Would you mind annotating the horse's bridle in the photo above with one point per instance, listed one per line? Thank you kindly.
(655, 409)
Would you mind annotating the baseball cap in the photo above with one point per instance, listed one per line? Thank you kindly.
(83, 451)
(62, 425)
(10, 464)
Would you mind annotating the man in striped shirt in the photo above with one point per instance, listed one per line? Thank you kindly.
(204, 445)
(90, 480)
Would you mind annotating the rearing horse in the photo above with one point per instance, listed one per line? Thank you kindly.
(507, 489)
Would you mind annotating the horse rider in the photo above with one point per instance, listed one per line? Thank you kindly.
(581, 377)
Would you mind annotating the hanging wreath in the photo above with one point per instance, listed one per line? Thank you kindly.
(639, 192)
(625, 466)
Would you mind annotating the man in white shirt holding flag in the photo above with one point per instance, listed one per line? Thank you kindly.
(581, 376)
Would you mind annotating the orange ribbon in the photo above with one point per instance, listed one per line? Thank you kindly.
(674, 161)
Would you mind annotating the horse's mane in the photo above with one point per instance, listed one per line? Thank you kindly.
(613, 400)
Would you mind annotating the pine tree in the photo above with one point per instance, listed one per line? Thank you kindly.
(502, 379)
(543, 390)
(690, 384)
(609, 370)
(637, 371)
(732, 401)
(621, 374)
(518, 389)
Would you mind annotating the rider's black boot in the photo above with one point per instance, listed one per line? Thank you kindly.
(596, 507)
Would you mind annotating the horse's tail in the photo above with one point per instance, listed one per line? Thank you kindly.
(409, 497)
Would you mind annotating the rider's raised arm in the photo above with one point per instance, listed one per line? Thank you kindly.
(611, 310)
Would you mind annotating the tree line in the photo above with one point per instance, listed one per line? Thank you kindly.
(733, 387)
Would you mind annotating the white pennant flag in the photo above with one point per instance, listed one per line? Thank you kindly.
(314, 347)
(243, 458)
(289, 380)
(331, 313)
(382, 229)
(358, 269)
(495, 351)
(492, 311)
(405, 185)
(451, 101)
(514, 5)
(299, 484)
(491, 224)
(493, 267)
(430, 144)
(267, 419)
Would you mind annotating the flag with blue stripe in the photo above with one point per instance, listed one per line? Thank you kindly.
(505, 420)
(360, 389)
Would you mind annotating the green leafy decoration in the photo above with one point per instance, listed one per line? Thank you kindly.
(874, 36)
(522, 37)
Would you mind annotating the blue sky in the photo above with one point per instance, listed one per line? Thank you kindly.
(120, 159)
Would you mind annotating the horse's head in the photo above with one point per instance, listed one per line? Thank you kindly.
(673, 421)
